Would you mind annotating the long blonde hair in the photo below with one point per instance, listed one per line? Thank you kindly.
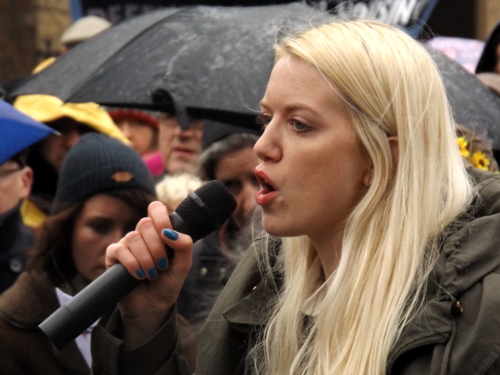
(391, 87)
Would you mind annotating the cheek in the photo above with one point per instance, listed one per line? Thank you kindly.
(88, 247)
(50, 148)
(145, 133)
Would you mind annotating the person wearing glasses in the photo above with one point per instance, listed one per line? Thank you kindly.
(15, 237)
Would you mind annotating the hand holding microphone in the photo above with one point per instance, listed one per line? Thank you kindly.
(142, 254)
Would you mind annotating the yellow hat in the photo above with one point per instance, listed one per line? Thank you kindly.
(46, 108)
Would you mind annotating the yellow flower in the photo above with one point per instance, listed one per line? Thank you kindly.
(462, 144)
(479, 160)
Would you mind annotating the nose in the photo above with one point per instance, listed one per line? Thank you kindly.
(183, 133)
(125, 128)
(195, 126)
(268, 147)
(71, 138)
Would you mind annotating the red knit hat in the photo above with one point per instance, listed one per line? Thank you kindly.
(137, 114)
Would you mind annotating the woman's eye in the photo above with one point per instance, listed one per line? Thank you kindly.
(101, 227)
(299, 126)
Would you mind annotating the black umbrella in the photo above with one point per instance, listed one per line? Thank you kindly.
(212, 61)
(473, 104)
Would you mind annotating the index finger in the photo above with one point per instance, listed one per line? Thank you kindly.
(158, 213)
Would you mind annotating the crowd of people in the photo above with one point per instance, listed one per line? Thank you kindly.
(363, 239)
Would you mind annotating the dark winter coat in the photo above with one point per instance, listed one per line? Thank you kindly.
(24, 349)
(214, 260)
(456, 332)
(15, 240)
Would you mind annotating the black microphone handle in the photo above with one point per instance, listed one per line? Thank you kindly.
(73, 318)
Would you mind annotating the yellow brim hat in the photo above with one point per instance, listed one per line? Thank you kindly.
(46, 108)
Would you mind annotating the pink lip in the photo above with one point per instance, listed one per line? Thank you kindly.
(264, 196)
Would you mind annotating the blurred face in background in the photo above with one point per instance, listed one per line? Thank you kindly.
(236, 171)
(179, 148)
(103, 220)
(15, 184)
(54, 148)
(140, 134)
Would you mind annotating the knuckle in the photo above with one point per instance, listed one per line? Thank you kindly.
(111, 249)
(144, 223)
(122, 249)
(132, 236)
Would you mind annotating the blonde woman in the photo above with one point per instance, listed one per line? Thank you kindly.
(378, 262)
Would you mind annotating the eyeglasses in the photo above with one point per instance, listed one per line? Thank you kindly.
(5, 172)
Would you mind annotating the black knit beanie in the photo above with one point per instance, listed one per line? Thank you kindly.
(97, 164)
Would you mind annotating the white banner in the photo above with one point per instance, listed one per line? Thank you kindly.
(405, 13)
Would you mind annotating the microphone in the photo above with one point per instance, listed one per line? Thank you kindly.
(199, 214)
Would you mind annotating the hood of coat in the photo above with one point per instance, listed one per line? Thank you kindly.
(488, 57)
(469, 253)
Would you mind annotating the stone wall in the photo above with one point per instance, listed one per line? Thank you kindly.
(29, 32)
(17, 38)
(487, 16)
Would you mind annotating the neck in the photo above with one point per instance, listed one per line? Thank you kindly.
(329, 249)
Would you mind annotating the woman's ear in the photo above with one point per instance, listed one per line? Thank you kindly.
(368, 177)
(394, 145)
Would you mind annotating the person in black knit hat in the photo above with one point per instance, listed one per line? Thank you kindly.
(103, 190)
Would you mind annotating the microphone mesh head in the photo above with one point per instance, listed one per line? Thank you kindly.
(217, 199)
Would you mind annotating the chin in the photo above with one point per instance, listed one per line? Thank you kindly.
(279, 229)
(179, 167)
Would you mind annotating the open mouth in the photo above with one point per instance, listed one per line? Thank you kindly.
(266, 187)
(268, 191)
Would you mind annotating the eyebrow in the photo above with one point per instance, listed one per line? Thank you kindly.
(291, 107)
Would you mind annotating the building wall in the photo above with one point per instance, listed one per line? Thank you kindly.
(30, 32)
(487, 16)
(52, 18)
(17, 38)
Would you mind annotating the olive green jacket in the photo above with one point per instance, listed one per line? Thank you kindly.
(456, 332)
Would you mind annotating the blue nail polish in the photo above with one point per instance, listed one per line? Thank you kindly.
(162, 263)
(152, 273)
(170, 234)
(139, 273)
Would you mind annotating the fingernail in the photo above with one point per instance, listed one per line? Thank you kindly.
(139, 273)
(162, 263)
(170, 234)
(152, 273)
